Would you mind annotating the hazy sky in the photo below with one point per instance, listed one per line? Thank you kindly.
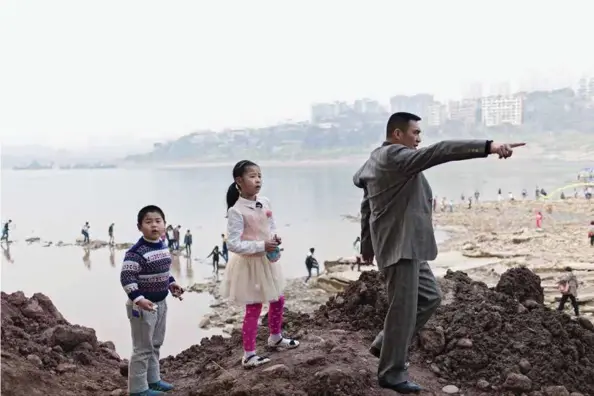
(76, 73)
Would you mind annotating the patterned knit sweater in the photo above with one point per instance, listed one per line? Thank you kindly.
(145, 271)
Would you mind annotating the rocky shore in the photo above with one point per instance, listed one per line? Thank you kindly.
(506, 233)
(496, 333)
(481, 341)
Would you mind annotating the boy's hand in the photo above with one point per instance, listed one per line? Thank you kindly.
(145, 304)
(176, 290)
(278, 239)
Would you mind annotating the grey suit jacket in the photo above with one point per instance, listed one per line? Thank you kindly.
(396, 212)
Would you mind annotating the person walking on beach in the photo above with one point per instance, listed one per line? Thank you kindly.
(539, 220)
(591, 233)
(110, 232)
(176, 237)
(225, 250)
(85, 232)
(250, 278)
(397, 228)
(215, 259)
(188, 243)
(170, 238)
(311, 263)
(147, 281)
(5, 229)
(568, 286)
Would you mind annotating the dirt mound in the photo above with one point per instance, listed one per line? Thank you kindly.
(44, 354)
(328, 362)
(488, 339)
(483, 341)
(361, 306)
(521, 284)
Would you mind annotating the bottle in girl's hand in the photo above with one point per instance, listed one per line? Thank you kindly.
(274, 256)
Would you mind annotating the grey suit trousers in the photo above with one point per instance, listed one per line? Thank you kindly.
(413, 297)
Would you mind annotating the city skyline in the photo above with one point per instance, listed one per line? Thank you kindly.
(78, 74)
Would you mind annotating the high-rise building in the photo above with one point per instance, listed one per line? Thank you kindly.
(499, 110)
(436, 114)
(367, 106)
(586, 88)
(321, 112)
(417, 104)
(466, 111)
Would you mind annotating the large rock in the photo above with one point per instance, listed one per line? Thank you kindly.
(432, 340)
(517, 383)
(69, 337)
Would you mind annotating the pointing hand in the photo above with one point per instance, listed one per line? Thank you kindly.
(504, 150)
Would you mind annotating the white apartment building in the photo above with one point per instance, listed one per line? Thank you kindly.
(465, 111)
(368, 106)
(323, 111)
(586, 88)
(499, 110)
(436, 114)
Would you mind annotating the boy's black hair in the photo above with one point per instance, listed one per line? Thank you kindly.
(233, 191)
(312, 250)
(400, 121)
(149, 209)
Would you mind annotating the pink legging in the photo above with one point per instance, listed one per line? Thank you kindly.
(250, 322)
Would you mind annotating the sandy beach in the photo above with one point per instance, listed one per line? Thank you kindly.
(505, 235)
(484, 241)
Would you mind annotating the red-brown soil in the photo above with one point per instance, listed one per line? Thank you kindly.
(480, 340)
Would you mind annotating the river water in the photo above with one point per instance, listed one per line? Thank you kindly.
(308, 202)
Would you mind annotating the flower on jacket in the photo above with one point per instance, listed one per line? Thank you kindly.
(269, 213)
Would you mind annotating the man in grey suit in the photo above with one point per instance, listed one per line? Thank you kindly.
(397, 227)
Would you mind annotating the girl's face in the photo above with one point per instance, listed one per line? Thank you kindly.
(251, 182)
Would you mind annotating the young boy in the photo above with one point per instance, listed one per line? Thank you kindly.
(147, 281)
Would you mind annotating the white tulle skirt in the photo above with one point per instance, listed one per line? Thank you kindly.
(252, 279)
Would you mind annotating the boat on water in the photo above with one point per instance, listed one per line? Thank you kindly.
(34, 166)
(88, 166)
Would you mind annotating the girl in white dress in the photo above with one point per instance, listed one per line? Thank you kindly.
(253, 275)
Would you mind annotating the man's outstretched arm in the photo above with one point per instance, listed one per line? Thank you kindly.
(410, 161)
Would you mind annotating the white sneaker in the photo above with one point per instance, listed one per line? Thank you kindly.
(254, 361)
(283, 343)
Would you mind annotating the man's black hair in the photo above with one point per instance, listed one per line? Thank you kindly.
(400, 121)
(312, 250)
(149, 209)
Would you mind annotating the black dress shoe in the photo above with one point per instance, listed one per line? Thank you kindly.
(376, 352)
(405, 388)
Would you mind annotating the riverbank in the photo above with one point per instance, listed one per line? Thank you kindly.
(514, 344)
(483, 241)
(506, 233)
